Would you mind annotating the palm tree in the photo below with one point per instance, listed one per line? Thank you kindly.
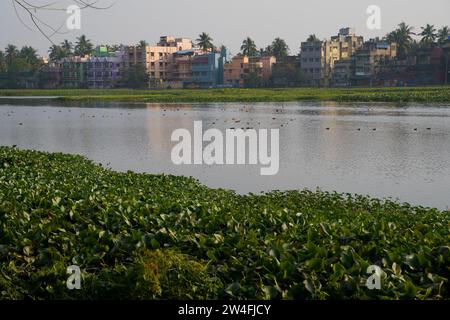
(29, 54)
(402, 36)
(83, 46)
(56, 53)
(143, 43)
(312, 38)
(443, 34)
(428, 34)
(268, 51)
(249, 48)
(2, 62)
(11, 53)
(204, 42)
(279, 48)
(67, 46)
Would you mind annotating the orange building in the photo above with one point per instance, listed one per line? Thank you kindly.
(240, 66)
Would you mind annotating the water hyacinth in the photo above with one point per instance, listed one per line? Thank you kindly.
(143, 236)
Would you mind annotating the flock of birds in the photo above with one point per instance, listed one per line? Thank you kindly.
(232, 120)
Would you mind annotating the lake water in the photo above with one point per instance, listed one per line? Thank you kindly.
(382, 150)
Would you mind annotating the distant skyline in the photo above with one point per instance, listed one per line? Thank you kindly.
(228, 23)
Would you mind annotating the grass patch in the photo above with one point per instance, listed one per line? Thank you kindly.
(142, 236)
(416, 94)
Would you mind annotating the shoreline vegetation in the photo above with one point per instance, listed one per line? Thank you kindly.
(144, 236)
(378, 94)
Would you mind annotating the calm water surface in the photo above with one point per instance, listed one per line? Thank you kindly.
(326, 145)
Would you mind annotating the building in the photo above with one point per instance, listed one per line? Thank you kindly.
(74, 73)
(342, 73)
(208, 69)
(104, 68)
(179, 69)
(50, 76)
(446, 49)
(240, 67)
(287, 73)
(156, 58)
(370, 61)
(318, 58)
(430, 66)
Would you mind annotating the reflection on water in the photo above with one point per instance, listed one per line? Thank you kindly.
(378, 149)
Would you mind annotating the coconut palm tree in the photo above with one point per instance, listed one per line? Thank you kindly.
(56, 53)
(11, 53)
(67, 46)
(204, 42)
(428, 34)
(29, 54)
(402, 36)
(249, 48)
(312, 38)
(2, 62)
(279, 48)
(443, 34)
(268, 51)
(83, 46)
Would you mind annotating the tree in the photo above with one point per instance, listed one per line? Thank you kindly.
(268, 51)
(249, 48)
(252, 80)
(143, 43)
(312, 38)
(83, 46)
(443, 34)
(428, 34)
(11, 53)
(279, 48)
(204, 42)
(29, 54)
(67, 46)
(18, 66)
(135, 76)
(402, 36)
(2, 62)
(287, 75)
(57, 53)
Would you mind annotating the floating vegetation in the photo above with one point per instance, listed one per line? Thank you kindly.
(143, 236)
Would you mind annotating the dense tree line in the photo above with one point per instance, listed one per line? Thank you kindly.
(17, 65)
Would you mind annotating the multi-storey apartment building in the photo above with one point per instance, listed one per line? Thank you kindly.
(156, 58)
(370, 60)
(318, 58)
(179, 69)
(207, 69)
(239, 67)
(74, 72)
(104, 68)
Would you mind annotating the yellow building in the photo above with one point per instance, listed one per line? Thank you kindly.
(156, 58)
(318, 58)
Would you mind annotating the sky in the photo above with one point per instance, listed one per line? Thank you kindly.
(227, 22)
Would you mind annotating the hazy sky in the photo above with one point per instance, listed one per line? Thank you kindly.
(228, 22)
